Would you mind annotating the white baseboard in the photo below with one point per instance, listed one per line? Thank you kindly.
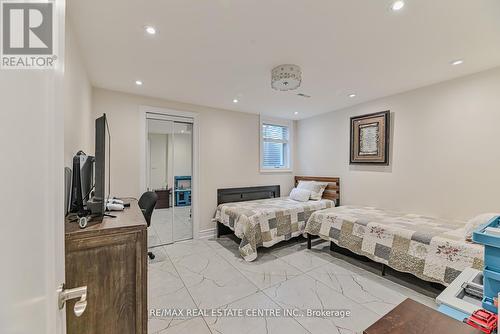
(208, 233)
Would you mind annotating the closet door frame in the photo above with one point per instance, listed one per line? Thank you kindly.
(179, 116)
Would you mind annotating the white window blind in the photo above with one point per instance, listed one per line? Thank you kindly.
(275, 146)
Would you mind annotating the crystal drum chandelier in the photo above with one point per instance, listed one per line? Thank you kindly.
(286, 77)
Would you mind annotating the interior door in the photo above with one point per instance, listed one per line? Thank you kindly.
(32, 196)
(32, 203)
(159, 165)
(183, 172)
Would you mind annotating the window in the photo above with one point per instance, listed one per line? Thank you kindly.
(275, 145)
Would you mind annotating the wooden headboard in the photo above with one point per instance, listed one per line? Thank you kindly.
(332, 191)
(229, 195)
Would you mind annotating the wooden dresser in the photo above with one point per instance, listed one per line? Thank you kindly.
(163, 198)
(110, 258)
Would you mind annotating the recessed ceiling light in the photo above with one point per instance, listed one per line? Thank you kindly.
(138, 82)
(296, 113)
(397, 5)
(457, 62)
(352, 95)
(150, 30)
(235, 100)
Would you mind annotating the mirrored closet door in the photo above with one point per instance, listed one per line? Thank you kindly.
(169, 174)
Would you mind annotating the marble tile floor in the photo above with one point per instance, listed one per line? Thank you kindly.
(160, 232)
(208, 274)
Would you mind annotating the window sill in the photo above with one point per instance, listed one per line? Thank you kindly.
(268, 171)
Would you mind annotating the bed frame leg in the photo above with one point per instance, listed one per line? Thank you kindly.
(382, 273)
(309, 241)
(332, 246)
(218, 230)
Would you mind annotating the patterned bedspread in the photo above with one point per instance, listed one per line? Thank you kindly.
(267, 222)
(430, 248)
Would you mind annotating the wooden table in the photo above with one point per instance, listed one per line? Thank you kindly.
(411, 317)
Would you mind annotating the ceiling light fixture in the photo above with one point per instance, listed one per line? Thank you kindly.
(235, 101)
(352, 95)
(457, 62)
(296, 113)
(138, 82)
(286, 77)
(150, 30)
(397, 5)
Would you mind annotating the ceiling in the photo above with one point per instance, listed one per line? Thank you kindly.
(209, 52)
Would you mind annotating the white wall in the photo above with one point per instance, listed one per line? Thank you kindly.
(78, 117)
(229, 148)
(445, 150)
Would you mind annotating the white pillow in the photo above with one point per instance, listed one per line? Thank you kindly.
(300, 195)
(477, 221)
(316, 188)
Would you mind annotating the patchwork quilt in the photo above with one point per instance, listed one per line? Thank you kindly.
(430, 248)
(267, 222)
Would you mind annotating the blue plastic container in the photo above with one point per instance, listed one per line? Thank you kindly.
(454, 313)
(491, 270)
(182, 186)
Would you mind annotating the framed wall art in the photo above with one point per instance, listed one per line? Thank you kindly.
(370, 139)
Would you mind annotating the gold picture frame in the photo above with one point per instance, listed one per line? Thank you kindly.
(369, 142)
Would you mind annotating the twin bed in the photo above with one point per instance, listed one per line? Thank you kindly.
(267, 218)
(432, 249)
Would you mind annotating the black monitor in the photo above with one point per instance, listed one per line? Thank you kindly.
(97, 205)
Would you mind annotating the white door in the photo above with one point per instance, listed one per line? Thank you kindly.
(159, 178)
(182, 174)
(31, 197)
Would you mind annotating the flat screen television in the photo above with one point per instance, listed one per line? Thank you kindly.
(97, 205)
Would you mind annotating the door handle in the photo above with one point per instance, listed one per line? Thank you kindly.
(68, 294)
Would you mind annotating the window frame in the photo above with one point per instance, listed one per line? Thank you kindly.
(288, 168)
